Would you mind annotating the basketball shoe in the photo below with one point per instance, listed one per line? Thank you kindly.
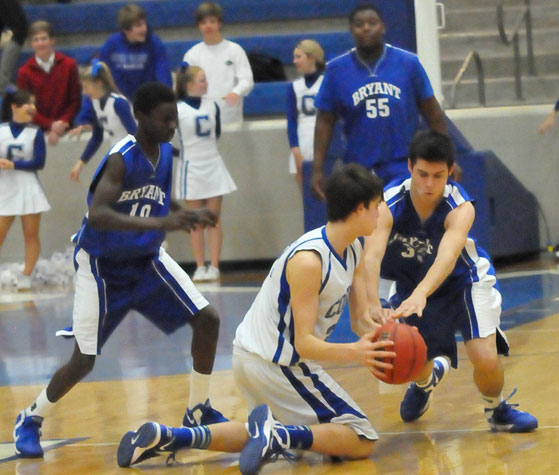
(202, 415)
(416, 400)
(265, 444)
(150, 440)
(27, 433)
(504, 418)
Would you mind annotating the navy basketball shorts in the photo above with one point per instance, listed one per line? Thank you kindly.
(303, 394)
(473, 312)
(106, 290)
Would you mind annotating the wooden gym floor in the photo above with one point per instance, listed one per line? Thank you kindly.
(142, 375)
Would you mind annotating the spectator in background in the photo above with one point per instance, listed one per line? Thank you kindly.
(105, 109)
(202, 177)
(225, 63)
(22, 153)
(135, 55)
(549, 122)
(308, 58)
(13, 18)
(54, 80)
(379, 91)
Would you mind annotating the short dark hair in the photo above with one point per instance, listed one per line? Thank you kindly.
(364, 7)
(347, 187)
(431, 146)
(207, 9)
(150, 94)
(14, 97)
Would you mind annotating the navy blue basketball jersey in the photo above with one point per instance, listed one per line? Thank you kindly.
(146, 191)
(377, 102)
(413, 245)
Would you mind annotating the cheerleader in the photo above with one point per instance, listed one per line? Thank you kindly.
(202, 178)
(308, 58)
(104, 109)
(22, 153)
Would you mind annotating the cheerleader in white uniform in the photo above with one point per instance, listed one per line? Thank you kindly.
(22, 153)
(104, 109)
(308, 58)
(202, 177)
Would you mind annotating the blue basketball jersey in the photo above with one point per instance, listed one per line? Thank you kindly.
(377, 102)
(146, 191)
(412, 246)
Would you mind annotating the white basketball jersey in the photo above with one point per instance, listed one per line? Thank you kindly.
(108, 118)
(268, 328)
(20, 147)
(197, 130)
(306, 114)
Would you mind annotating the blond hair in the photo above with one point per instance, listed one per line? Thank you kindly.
(185, 75)
(312, 48)
(99, 71)
(41, 26)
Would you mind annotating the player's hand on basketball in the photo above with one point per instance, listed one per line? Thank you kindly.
(381, 315)
(317, 184)
(207, 217)
(368, 350)
(413, 305)
(6, 164)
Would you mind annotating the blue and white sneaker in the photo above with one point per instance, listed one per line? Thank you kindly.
(67, 332)
(150, 440)
(264, 444)
(27, 434)
(504, 418)
(202, 415)
(416, 400)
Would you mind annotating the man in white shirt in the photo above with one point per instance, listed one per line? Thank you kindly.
(225, 63)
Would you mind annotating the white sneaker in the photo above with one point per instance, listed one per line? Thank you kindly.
(212, 274)
(24, 283)
(200, 274)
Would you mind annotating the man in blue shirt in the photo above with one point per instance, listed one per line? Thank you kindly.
(135, 55)
(379, 91)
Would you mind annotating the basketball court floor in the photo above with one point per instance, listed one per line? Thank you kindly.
(143, 375)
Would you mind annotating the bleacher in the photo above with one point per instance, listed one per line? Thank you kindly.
(76, 20)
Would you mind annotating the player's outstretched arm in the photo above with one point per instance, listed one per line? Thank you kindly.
(304, 272)
(375, 247)
(457, 224)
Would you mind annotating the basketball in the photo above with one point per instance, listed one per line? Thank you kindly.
(410, 349)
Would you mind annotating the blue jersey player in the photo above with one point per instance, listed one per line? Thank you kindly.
(378, 91)
(120, 264)
(281, 337)
(444, 282)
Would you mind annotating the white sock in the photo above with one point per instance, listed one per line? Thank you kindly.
(41, 406)
(199, 388)
(491, 402)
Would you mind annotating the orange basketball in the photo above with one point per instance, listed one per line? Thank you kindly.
(410, 349)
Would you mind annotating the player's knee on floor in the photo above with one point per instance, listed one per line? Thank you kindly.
(363, 449)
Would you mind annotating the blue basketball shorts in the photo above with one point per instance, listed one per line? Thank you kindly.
(472, 312)
(106, 290)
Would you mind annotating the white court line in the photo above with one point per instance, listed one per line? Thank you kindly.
(527, 273)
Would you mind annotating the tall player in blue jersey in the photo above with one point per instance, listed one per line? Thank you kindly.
(444, 282)
(379, 91)
(282, 336)
(120, 264)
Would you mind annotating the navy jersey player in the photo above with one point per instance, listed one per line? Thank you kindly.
(444, 282)
(120, 264)
(379, 91)
(282, 336)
